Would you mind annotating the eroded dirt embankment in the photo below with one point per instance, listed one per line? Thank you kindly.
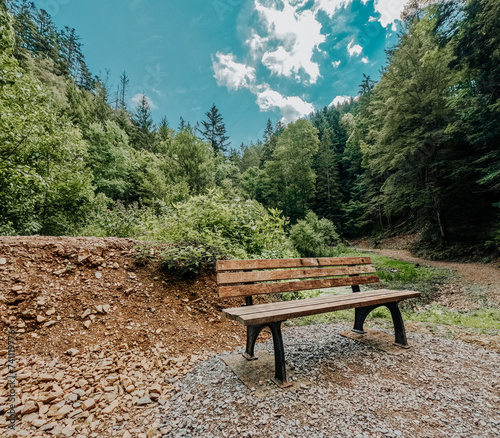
(100, 339)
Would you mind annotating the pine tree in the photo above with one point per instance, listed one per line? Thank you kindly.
(144, 137)
(122, 90)
(214, 131)
(269, 131)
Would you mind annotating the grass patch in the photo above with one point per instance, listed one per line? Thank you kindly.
(397, 275)
(484, 319)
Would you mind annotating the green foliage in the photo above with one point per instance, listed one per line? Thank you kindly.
(214, 131)
(112, 219)
(313, 237)
(186, 260)
(291, 178)
(44, 186)
(239, 229)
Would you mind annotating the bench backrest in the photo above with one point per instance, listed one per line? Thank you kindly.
(238, 278)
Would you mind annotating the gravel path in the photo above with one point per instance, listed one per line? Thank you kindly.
(439, 388)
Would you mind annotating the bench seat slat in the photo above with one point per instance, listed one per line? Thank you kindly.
(289, 286)
(278, 305)
(293, 309)
(250, 277)
(235, 265)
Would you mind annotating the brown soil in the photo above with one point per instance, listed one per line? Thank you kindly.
(85, 301)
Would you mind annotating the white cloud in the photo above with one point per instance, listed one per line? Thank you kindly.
(354, 49)
(257, 44)
(291, 107)
(232, 74)
(296, 33)
(365, 60)
(339, 100)
(137, 99)
(330, 6)
(390, 11)
(335, 64)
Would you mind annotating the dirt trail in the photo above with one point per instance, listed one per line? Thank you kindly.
(486, 277)
(479, 274)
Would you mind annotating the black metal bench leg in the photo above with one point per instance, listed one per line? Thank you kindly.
(359, 318)
(279, 355)
(253, 332)
(399, 327)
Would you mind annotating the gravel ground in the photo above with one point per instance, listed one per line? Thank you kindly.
(438, 388)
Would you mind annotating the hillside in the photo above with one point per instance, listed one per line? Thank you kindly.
(100, 339)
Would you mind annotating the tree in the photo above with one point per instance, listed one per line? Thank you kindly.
(268, 131)
(190, 160)
(290, 172)
(417, 169)
(328, 197)
(214, 131)
(44, 185)
(122, 89)
(143, 137)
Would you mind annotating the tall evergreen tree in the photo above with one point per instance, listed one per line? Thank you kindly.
(214, 131)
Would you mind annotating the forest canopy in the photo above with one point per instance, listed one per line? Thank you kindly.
(416, 151)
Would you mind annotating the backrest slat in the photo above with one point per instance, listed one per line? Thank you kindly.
(289, 286)
(253, 276)
(235, 265)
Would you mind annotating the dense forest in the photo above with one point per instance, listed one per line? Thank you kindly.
(417, 151)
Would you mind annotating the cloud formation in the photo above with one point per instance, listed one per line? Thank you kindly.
(291, 107)
(232, 74)
(339, 100)
(293, 36)
(137, 99)
(354, 49)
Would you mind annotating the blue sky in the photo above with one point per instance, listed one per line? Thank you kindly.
(255, 59)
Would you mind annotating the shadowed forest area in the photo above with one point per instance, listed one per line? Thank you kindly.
(415, 152)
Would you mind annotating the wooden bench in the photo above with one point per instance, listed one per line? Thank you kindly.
(245, 278)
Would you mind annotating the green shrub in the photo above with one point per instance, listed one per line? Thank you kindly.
(241, 229)
(313, 237)
(186, 260)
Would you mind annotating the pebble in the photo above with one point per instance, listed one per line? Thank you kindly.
(356, 391)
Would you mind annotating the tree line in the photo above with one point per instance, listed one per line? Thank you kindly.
(415, 151)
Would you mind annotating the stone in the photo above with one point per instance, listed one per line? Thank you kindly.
(40, 318)
(3, 261)
(106, 308)
(72, 352)
(68, 431)
(50, 311)
(79, 392)
(29, 407)
(86, 313)
(98, 275)
(110, 408)
(39, 422)
(63, 412)
(143, 401)
(87, 324)
(45, 377)
(88, 404)
(17, 288)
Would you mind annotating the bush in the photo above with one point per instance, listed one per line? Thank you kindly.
(240, 229)
(112, 220)
(313, 237)
(186, 260)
